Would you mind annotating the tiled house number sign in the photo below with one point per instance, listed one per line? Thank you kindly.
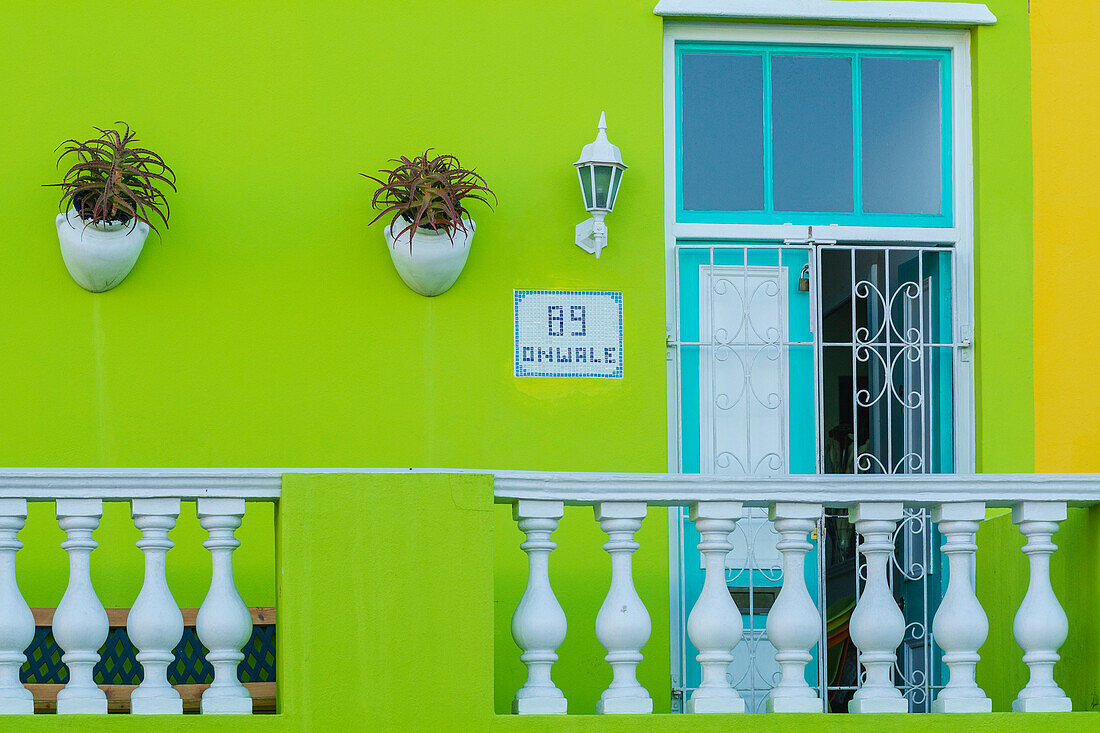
(569, 333)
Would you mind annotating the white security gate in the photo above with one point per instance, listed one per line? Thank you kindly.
(813, 358)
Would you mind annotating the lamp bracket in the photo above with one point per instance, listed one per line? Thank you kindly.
(591, 236)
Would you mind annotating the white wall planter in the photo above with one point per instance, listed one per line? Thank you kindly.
(431, 263)
(99, 256)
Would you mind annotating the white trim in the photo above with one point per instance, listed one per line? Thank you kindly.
(834, 490)
(948, 38)
(658, 489)
(875, 11)
(822, 233)
(124, 484)
(961, 235)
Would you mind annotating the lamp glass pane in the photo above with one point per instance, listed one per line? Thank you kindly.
(903, 159)
(603, 184)
(585, 173)
(616, 178)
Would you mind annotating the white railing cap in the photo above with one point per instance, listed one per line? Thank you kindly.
(574, 488)
(996, 490)
(124, 484)
(876, 11)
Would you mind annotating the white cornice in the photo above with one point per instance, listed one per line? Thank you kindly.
(877, 11)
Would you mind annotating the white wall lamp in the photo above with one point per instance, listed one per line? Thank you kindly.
(600, 168)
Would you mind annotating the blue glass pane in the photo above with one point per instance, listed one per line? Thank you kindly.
(902, 139)
(722, 120)
(812, 133)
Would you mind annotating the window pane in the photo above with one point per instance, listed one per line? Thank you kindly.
(722, 132)
(812, 133)
(902, 142)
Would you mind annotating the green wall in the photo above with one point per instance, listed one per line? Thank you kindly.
(1001, 79)
(580, 573)
(1002, 579)
(268, 328)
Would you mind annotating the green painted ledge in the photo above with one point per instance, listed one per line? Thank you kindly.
(780, 723)
(424, 720)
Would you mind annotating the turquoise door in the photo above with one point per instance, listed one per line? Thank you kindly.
(747, 376)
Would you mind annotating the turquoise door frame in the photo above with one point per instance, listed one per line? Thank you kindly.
(718, 265)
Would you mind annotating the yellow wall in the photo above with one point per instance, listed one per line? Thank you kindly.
(1066, 140)
(1065, 52)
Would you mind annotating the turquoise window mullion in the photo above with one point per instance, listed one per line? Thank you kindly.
(769, 163)
(857, 132)
(947, 139)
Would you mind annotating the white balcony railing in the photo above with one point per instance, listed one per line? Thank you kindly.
(154, 624)
(875, 504)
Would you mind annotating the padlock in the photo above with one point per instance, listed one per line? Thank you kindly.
(804, 279)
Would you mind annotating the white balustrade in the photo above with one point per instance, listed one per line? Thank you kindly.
(155, 624)
(793, 625)
(538, 625)
(622, 624)
(960, 626)
(1040, 625)
(877, 625)
(16, 620)
(224, 624)
(80, 622)
(714, 624)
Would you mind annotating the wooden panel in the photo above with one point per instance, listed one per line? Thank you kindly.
(118, 697)
(116, 617)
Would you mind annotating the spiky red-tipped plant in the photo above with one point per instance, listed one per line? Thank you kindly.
(428, 192)
(112, 181)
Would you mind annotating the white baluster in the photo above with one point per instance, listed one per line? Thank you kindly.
(224, 624)
(80, 623)
(960, 626)
(1040, 625)
(714, 624)
(16, 620)
(794, 625)
(155, 624)
(877, 625)
(539, 623)
(622, 625)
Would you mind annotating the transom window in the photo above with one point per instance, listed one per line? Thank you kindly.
(846, 135)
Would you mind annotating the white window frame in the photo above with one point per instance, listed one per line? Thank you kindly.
(960, 234)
